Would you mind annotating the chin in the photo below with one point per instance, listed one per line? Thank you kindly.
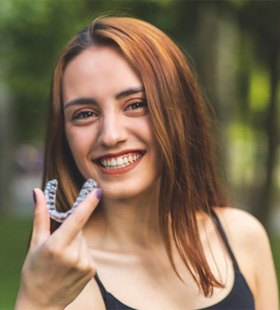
(131, 191)
(120, 193)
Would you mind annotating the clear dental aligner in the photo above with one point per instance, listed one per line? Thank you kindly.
(50, 195)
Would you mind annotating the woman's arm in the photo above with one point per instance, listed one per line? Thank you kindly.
(266, 296)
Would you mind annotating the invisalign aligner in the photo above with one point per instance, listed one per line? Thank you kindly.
(50, 195)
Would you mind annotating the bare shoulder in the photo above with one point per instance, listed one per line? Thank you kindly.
(247, 237)
(242, 227)
(251, 247)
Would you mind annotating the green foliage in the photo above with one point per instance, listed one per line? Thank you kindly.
(259, 90)
(14, 234)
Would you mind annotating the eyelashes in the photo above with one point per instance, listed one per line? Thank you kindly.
(137, 105)
(83, 115)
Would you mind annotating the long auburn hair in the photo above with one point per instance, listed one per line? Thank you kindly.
(189, 179)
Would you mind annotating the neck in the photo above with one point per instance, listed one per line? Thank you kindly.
(127, 222)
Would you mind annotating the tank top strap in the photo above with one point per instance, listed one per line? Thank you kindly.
(224, 238)
(101, 286)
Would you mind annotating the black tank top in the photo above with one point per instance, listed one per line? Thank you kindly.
(239, 298)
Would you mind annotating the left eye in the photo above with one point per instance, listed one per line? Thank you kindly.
(136, 105)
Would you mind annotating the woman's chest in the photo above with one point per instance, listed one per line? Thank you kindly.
(149, 282)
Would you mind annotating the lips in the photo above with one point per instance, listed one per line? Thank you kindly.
(119, 161)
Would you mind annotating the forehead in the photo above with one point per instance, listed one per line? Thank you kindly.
(98, 71)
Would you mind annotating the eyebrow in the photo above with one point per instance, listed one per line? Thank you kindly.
(89, 100)
(128, 92)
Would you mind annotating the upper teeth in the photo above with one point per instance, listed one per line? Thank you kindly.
(119, 162)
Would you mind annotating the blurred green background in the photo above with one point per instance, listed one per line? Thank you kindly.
(233, 45)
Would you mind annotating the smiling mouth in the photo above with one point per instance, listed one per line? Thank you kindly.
(121, 161)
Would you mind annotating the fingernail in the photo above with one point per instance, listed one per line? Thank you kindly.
(98, 193)
(34, 196)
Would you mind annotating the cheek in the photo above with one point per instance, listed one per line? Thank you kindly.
(154, 146)
(78, 142)
(146, 131)
(149, 135)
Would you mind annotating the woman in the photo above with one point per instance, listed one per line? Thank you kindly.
(127, 112)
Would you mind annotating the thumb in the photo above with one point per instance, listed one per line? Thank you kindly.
(41, 219)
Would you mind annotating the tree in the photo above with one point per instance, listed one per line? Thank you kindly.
(262, 21)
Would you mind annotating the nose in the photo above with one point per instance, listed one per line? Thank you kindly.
(112, 130)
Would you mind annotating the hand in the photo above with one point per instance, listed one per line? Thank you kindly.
(58, 266)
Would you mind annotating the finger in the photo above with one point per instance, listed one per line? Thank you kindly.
(41, 219)
(79, 253)
(76, 221)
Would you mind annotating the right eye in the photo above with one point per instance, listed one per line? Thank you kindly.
(83, 115)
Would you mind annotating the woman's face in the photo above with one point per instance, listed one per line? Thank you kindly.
(107, 123)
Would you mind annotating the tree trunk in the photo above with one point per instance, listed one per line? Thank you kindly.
(265, 207)
(6, 154)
